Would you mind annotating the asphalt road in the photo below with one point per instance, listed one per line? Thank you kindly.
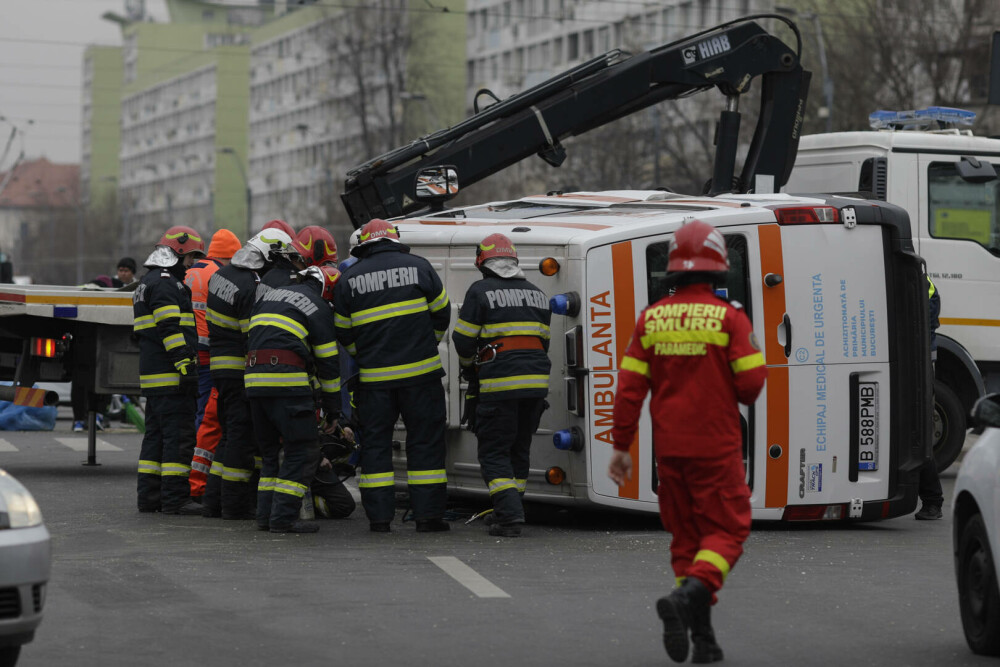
(578, 589)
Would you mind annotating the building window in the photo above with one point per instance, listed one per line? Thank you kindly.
(573, 47)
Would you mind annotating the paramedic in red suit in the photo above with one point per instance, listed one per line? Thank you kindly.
(697, 355)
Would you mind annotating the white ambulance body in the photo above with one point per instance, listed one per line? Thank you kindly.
(955, 226)
(842, 423)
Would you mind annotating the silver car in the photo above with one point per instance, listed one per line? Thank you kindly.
(25, 561)
(976, 537)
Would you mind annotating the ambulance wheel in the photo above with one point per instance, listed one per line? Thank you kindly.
(978, 596)
(949, 426)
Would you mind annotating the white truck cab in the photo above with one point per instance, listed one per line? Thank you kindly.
(834, 291)
(946, 180)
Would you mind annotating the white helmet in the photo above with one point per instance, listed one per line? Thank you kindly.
(264, 247)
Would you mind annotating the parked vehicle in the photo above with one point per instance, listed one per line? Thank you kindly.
(25, 562)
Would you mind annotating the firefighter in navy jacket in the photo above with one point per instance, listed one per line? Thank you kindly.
(392, 311)
(231, 490)
(503, 333)
(163, 321)
(291, 334)
(698, 357)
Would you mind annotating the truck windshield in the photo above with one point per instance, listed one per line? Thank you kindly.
(958, 209)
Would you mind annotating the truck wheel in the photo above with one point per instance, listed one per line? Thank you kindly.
(8, 655)
(949, 426)
(978, 596)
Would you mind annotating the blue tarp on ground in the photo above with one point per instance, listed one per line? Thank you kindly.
(21, 418)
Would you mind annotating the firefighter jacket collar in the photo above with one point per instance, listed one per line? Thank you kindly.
(382, 245)
(249, 257)
(503, 267)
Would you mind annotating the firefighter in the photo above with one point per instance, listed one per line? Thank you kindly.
(502, 334)
(392, 311)
(231, 492)
(698, 357)
(224, 244)
(929, 482)
(168, 373)
(291, 332)
(318, 246)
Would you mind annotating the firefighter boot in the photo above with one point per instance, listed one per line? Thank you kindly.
(677, 612)
(704, 648)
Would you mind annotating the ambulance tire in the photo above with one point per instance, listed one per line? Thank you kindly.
(978, 595)
(949, 426)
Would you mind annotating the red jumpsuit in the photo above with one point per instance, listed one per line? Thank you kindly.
(698, 356)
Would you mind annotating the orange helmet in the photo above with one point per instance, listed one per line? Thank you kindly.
(697, 246)
(318, 245)
(182, 240)
(495, 245)
(373, 231)
(327, 275)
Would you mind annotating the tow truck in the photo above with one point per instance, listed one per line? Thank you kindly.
(946, 178)
(832, 284)
(56, 334)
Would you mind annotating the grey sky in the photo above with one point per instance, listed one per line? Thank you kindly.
(41, 51)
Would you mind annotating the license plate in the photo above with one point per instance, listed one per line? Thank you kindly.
(868, 426)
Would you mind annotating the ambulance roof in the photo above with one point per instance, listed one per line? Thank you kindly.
(589, 218)
(949, 141)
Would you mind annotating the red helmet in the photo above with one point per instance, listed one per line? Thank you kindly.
(182, 240)
(375, 230)
(294, 247)
(282, 225)
(495, 245)
(698, 246)
(327, 275)
(318, 245)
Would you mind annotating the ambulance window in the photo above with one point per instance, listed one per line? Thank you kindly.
(737, 281)
(958, 209)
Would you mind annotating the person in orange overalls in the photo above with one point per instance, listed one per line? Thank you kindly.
(699, 358)
(223, 246)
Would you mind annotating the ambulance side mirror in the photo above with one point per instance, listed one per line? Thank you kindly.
(436, 184)
(972, 170)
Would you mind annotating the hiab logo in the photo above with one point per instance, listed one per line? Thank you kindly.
(706, 49)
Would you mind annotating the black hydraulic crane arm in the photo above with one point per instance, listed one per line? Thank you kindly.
(727, 57)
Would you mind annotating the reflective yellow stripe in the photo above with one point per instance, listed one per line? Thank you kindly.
(440, 302)
(295, 379)
(236, 474)
(399, 372)
(187, 320)
(143, 322)
(467, 328)
(330, 386)
(352, 350)
(396, 309)
(715, 559)
(930, 287)
(635, 365)
(149, 467)
(265, 484)
(755, 360)
(522, 484)
(501, 484)
(166, 312)
(173, 341)
(159, 380)
(176, 470)
(516, 329)
(289, 487)
(440, 334)
(465, 361)
(244, 326)
(221, 363)
(426, 477)
(220, 320)
(710, 337)
(375, 480)
(341, 321)
(280, 322)
(217, 468)
(325, 350)
(510, 383)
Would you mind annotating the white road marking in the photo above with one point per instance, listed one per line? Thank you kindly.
(468, 577)
(7, 447)
(80, 445)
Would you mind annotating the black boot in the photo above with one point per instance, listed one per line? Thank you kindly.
(677, 611)
(704, 647)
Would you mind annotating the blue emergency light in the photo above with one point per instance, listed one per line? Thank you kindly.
(919, 118)
(568, 439)
(565, 304)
